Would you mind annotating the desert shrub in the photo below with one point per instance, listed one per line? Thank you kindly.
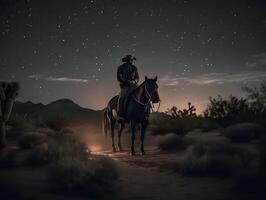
(250, 180)
(47, 131)
(66, 131)
(9, 190)
(243, 132)
(162, 124)
(234, 110)
(75, 170)
(38, 122)
(179, 126)
(7, 157)
(172, 142)
(228, 111)
(31, 139)
(262, 150)
(169, 125)
(37, 156)
(216, 159)
(254, 179)
(19, 125)
(56, 123)
(208, 125)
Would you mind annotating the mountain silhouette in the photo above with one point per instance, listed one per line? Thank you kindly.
(59, 109)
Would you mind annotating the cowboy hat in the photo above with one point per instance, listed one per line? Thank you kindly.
(128, 58)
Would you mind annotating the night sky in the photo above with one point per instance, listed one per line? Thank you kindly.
(71, 49)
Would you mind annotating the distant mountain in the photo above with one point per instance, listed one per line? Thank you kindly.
(62, 108)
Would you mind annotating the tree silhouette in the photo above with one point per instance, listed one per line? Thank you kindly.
(8, 94)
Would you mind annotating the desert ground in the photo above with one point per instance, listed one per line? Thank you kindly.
(156, 175)
(153, 176)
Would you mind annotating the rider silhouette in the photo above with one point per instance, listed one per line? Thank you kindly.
(128, 77)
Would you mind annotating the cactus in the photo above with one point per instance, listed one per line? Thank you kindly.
(190, 112)
(8, 94)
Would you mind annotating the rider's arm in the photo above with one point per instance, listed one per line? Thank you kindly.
(136, 78)
(120, 77)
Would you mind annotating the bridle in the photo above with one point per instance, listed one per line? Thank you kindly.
(149, 102)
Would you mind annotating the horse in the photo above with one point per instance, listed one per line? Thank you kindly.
(137, 112)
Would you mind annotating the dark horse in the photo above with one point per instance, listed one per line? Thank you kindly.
(137, 109)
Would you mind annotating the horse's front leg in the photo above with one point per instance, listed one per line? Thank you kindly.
(122, 126)
(133, 128)
(144, 125)
(113, 134)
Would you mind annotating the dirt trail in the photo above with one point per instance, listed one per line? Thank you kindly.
(150, 178)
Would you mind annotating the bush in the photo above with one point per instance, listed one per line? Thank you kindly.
(235, 110)
(254, 179)
(216, 159)
(37, 156)
(208, 125)
(56, 123)
(9, 190)
(179, 126)
(76, 171)
(19, 125)
(243, 132)
(7, 157)
(228, 111)
(172, 142)
(32, 139)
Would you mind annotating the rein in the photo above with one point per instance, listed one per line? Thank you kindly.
(149, 102)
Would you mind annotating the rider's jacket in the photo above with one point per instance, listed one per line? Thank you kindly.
(127, 75)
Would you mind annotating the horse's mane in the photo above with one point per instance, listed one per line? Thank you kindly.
(139, 86)
(138, 90)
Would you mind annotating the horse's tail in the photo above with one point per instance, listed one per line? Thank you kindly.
(105, 122)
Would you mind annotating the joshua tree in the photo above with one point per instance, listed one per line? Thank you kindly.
(190, 112)
(8, 94)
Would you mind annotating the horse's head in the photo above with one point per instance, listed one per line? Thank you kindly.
(152, 89)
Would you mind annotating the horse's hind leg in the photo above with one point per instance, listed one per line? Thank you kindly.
(113, 133)
(122, 126)
(133, 128)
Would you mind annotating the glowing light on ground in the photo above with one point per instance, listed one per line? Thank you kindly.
(94, 148)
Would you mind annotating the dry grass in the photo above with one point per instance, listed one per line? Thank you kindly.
(75, 171)
(219, 159)
(172, 142)
(31, 139)
(243, 132)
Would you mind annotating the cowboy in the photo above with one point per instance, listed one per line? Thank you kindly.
(128, 77)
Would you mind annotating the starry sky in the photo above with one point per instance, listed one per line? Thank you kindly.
(72, 48)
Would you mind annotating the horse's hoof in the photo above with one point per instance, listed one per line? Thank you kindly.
(142, 153)
(114, 149)
(132, 153)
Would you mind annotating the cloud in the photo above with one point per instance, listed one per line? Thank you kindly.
(258, 60)
(214, 78)
(58, 79)
(66, 79)
(34, 76)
